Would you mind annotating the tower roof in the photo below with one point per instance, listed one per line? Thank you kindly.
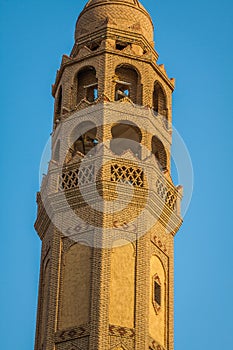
(125, 15)
(131, 2)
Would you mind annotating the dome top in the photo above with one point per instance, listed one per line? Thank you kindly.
(130, 2)
(126, 15)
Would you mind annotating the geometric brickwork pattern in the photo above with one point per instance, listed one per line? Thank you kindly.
(121, 331)
(72, 333)
(130, 175)
(168, 196)
(119, 343)
(73, 178)
(154, 345)
(121, 336)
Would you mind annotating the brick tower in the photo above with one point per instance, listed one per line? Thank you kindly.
(107, 209)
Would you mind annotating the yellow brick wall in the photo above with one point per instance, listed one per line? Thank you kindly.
(75, 292)
(122, 290)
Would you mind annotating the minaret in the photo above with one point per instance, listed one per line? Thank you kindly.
(108, 210)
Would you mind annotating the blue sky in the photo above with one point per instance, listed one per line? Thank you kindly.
(194, 40)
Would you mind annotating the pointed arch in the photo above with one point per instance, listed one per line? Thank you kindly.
(126, 136)
(87, 84)
(128, 83)
(82, 139)
(159, 152)
(58, 102)
(159, 100)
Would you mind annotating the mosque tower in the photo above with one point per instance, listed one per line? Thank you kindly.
(108, 210)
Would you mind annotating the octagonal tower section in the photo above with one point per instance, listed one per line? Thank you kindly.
(108, 209)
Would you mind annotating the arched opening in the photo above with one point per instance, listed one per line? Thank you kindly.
(126, 136)
(83, 138)
(58, 104)
(159, 100)
(87, 84)
(56, 154)
(127, 83)
(159, 152)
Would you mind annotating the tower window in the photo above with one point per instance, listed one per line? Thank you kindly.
(87, 85)
(83, 140)
(157, 293)
(126, 136)
(160, 101)
(159, 152)
(128, 84)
